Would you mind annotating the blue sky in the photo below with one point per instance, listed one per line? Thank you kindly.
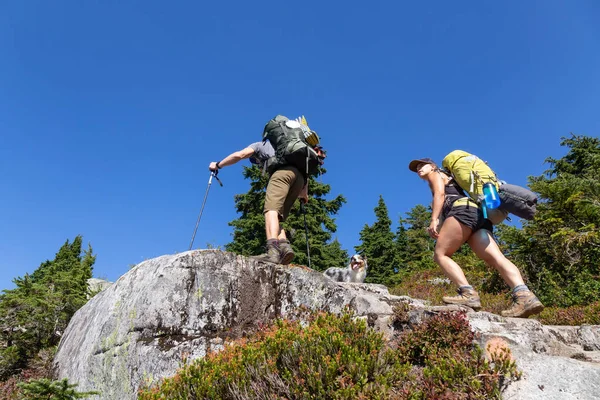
(111, 111)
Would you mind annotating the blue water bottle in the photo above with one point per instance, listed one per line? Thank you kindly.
(490, 195)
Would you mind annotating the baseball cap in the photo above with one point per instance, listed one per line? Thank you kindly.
(413, 164)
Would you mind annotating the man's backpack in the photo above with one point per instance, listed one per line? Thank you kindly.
(290, 139)
(471, 173)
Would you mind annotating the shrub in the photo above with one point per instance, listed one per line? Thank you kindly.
(451, 365)
(337, 357)
(38, 367)
(46, 389)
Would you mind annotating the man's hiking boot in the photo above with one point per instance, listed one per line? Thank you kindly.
(287, 254)
(273, 254)
(524, 304)
(466, 297)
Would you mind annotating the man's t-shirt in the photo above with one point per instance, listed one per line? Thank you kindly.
(262, 152)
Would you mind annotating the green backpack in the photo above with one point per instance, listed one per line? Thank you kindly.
(293, 143)
(471, 173)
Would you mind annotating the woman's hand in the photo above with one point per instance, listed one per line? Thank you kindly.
(432, 230)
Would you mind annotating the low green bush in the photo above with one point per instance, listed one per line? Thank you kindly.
(338, 357)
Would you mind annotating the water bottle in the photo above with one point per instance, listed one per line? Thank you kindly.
(490, 195)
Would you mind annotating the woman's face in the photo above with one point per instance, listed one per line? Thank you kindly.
(424, 169)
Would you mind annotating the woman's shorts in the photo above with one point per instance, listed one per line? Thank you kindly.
(468, 213)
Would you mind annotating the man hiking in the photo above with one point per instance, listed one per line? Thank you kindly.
(287, 182)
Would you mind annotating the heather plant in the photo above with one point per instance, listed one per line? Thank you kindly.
(574, 315)
(420, 285)
(339, 357)
(447, 363)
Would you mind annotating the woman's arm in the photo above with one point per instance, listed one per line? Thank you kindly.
(436, 184)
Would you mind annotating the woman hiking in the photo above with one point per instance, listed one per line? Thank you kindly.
(455, 220)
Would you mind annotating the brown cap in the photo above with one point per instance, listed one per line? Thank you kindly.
(413, 164)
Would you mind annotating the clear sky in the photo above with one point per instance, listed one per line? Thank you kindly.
(110, 111)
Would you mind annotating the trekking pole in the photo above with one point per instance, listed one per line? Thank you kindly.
(212, 174)
(306, 230)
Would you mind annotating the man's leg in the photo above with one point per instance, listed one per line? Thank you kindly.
(272, 224)
(287, 253)
(277, 192)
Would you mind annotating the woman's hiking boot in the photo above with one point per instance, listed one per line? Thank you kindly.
(273, 254)
(287, 254)
(524, 304)
(466, 297)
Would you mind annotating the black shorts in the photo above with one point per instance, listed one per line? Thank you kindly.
(468, 214)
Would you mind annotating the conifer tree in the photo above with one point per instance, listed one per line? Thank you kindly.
(377, 244)
(401, 252)
(34, 315)
(560, 249)
(419, 246)
(249, 229)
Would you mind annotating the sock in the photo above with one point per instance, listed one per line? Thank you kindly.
(469, 287)
(520, 288)
(273, 242)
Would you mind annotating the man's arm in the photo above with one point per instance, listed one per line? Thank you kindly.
(231, 159)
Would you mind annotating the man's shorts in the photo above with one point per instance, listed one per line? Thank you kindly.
(469, 214)
(282, 191)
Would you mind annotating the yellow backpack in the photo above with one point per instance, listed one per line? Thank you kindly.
(470, 172)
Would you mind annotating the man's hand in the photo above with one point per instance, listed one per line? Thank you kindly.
(433, 228)
(303, 195)
(213, 166)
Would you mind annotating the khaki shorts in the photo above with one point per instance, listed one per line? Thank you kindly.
(282, 191)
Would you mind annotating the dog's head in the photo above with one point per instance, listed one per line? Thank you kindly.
(357, 262)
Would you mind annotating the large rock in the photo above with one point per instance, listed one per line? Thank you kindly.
(558, 362)
(140, 328)
(181, 306)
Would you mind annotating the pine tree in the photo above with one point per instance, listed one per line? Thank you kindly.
(35, 313)
(559, 250)
(44, 389)
(401, 250)
(377, 244)
(249, 229)
(419, 246)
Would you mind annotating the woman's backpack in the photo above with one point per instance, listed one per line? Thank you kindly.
(290, 140)
(471, 173)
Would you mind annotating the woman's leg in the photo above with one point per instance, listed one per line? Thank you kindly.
(524, 301)
(452, 235)
(486, 248)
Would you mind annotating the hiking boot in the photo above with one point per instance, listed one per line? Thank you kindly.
(273, 254)
(466, 297)
(287, 254)
(524, 304)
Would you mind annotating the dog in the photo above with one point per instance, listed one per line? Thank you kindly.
(355, 272)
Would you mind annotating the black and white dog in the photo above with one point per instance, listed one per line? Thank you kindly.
(355, 272)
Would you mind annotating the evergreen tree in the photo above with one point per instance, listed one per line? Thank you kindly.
(401, 245)
(249, 229)
(45, 389)
(419, 246)
(377, 244)
(560, 249)
(34, 315)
